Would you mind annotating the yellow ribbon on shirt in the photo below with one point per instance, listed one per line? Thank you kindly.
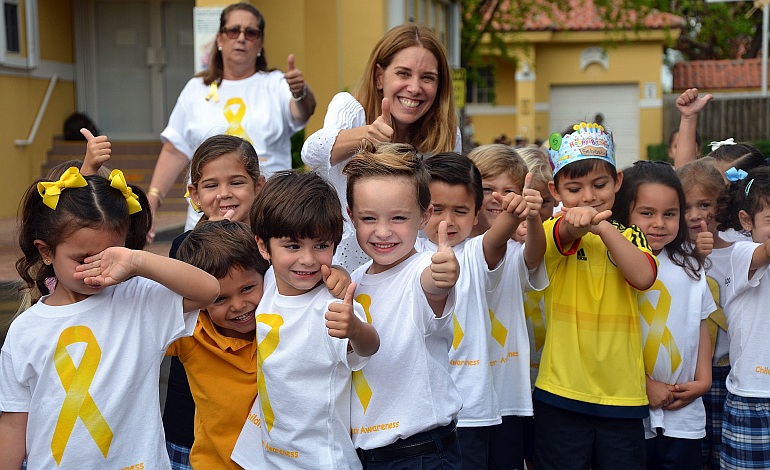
(533, 311)
(51, 190)
(360, 385)
(659, 334)
(265, 348)
(499, 332)
(234, 119)
(213, 92)
(78, 402)
(716, 321)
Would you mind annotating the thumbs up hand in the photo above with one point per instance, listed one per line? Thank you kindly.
(704, 240)
(340, 319)
(381, 130)
(294, 78)
(98, 150)
(444, 267)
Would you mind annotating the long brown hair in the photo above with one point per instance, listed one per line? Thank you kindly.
(436, 131)
(214, 71)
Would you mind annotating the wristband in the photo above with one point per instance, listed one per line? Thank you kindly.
(302, 95)
(156, 192)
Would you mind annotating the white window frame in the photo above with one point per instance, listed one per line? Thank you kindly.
(29, 41)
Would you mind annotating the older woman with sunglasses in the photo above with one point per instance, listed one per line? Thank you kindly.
(236, 95)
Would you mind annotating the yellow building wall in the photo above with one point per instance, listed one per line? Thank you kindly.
(557, 62)
(56, 36)
(20, 100)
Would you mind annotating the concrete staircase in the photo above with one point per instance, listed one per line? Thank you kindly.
(136, 159)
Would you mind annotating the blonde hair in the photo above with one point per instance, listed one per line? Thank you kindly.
(704, 174)
(391, 161)
(537, 164)
(497, 159)
(436, 131)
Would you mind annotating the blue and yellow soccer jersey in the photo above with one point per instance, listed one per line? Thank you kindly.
(593, 344)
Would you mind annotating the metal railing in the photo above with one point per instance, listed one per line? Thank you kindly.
(40, 113)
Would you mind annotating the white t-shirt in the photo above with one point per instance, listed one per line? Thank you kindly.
(509, 349)
(406, 387)
(255, 108)
(469, 363)
(747, 324)
(671, 312)
(718, 269)
(103, 353)
(308, 387)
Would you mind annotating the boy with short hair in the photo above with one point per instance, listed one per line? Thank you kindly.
(589, 396)
(480, 342)
(219, 356)
(307, 342)
(405, 402)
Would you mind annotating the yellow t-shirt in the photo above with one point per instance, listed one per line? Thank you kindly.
(222, 372)
(593, 343)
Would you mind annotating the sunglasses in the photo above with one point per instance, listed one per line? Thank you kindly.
(233, 32)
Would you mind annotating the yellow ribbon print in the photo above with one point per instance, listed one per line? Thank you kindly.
(360, 385)
(50, 191)
(78, 402)
(458, 332)
(213, 92)
(659, 334)
(533, 311)
(234, 119)
(716, 320)
(118, 181)
(265, 348)
(499, 332)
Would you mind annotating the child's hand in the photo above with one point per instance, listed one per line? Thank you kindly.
(659, 394)
(444, 267)
(689, 104)
(521, 232)
(513, 204)
(215, 210)
(686, 393)
(336, 280)
(532, 197)
(340, 319)
(704, 241)
(112, 266)
(98, 151)
(585, 217)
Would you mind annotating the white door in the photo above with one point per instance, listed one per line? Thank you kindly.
(133, 58)
(618, 103)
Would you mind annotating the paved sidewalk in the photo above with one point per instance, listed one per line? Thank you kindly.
(167, 225)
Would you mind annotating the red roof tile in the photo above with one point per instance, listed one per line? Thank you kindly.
(580, 15)
(718, 74)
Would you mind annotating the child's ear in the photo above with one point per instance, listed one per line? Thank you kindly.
(264, 250)
(193, 191)
(553, 191)
(426, 217)
(618, 181)
(746, 222)
(260, 184)
(44, 250)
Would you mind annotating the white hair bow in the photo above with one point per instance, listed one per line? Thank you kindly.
(715, 145)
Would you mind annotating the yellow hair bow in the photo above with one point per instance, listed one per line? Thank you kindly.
(50, 190)
(118, 181)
